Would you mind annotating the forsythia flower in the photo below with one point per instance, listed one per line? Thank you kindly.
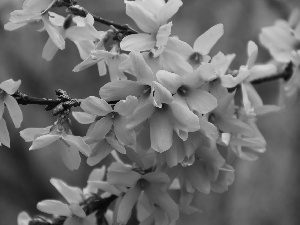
(204, 43)
(152, 17)
(33, 10)
(109, 132)
(8, 88)
(153, 185)
(283, 41)
(42, 137)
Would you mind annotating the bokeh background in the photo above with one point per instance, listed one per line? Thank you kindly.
(265, 192)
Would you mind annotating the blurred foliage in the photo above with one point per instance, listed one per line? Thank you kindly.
(265, 191)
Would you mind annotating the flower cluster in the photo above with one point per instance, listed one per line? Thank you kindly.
(283, 42)
(176, 113)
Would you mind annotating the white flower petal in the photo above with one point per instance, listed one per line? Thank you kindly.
(14, 110)
(161, 131)
(49, 50)
(126, 107)
(4, 135)
(54, 207)
(117, 90)
(23, 218)
(99, 152)
(142, 71)
(95, 106)
(10, 86)
(163, 34)
(201, 101)
(168, 10)
(83, 117)
(169, 80)
(184, 118)
(252, 51)
(140, 115)
(161, 95)
(71, 194)
(43, 141)
(126, 179)
(101, 128)
(78, 143)
(54, 34)
(137, 42)
(71, 157)
(29, 134)
(145, 20)
(164, 201)
(127, 203)
(207, 40)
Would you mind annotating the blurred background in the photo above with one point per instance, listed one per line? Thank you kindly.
(265, 192)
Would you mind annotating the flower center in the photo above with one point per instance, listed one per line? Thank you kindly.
(183, 90)
(142, 183)
(196, 58)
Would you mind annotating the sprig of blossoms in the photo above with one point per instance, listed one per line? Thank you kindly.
(8, 88)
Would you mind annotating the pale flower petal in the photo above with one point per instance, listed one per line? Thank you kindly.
(49, 50)
(185, 119)
(168, 10)
(126, 179)
(126, 107)
(161, 95)
(143, 18)
(252, 51)
(78, 142)
(142, 71)
(206, 41)
(4, 135)
(14, 110)
(95, 106)
(201, 101)
(44, 141)
(70, 157)
(101, 128)
(71, 194)
(164, 201)
(99, 152)
(169, 80)
(117, 90)
(83, 117)
(157, 177)
(23, 218)
(10, 86)
(138, 42)
(127, 203)
(54, 207)
(161, 131)
(29, 134)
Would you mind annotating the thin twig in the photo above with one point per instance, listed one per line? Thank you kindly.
(59, 105)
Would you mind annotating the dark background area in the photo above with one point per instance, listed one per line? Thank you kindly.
(265, 192)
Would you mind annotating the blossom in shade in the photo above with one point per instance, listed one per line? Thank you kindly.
(112, 59)
(73, 211)
(79, 30)
(23, 218)
(60, 131)
(153, 185)
(32, 11)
